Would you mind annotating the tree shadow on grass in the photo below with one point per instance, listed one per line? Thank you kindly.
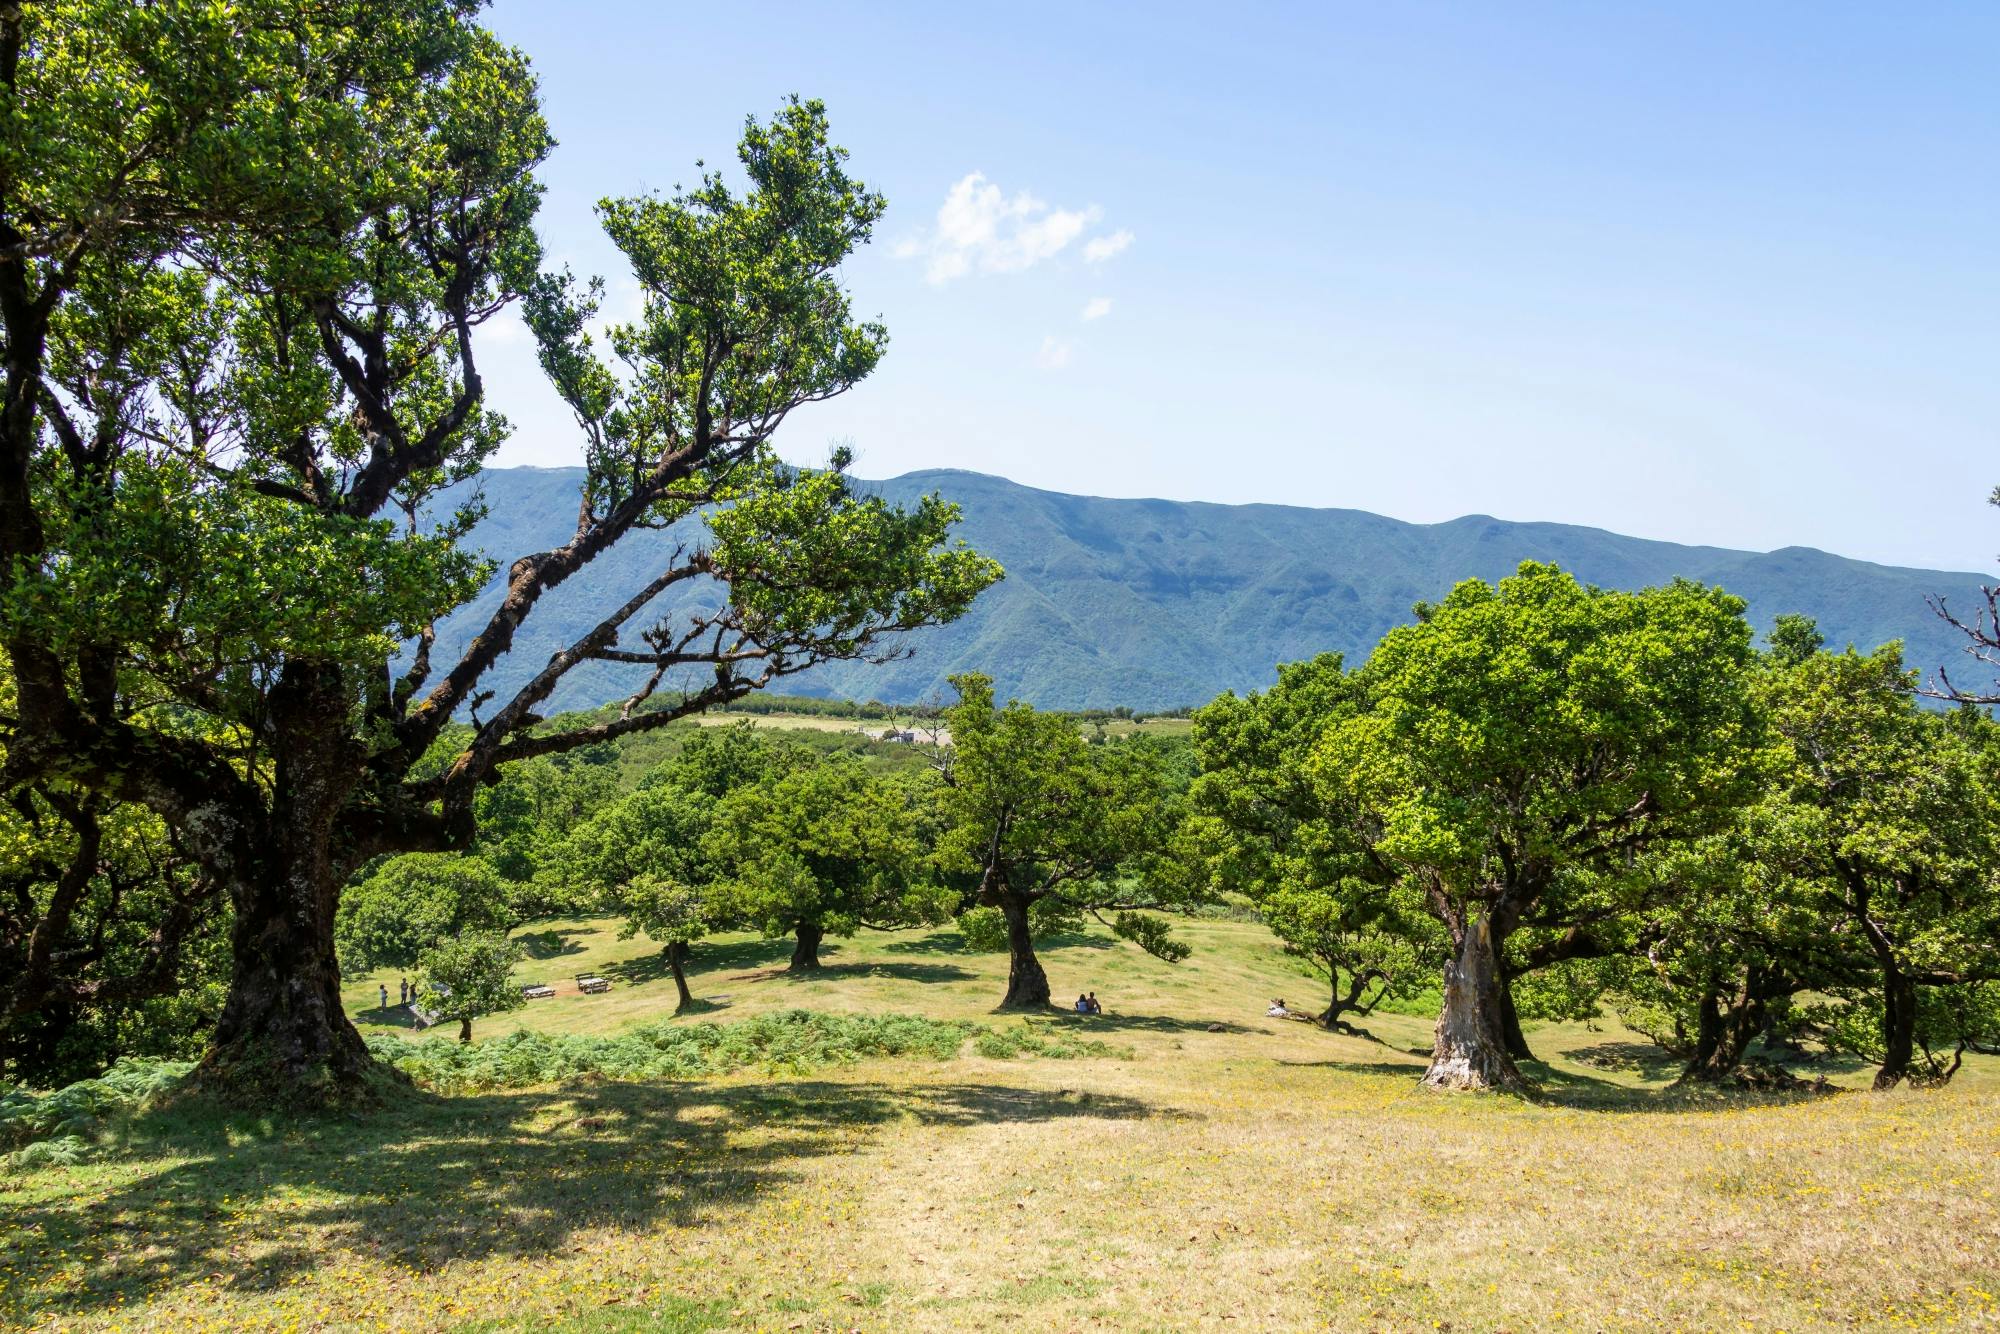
(908, 972)
(949, 941)
(1553, 1086)
(434, 1180)
(1643, 1059)
(1075, 940)
(1412, 1069)
(550, 944)
(394, 1016)
(639, 969)
(715, 956)
(1085, 1025)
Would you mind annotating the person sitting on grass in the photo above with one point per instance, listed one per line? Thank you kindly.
(1277, 1011)
(1095, 1008)
(1082, 1003)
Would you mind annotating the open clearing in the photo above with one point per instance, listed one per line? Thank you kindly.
(1267, 1175)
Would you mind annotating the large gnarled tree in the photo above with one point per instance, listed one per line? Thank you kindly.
(244, 255)
(1521, 743)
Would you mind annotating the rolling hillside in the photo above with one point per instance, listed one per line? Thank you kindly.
(1155, 603)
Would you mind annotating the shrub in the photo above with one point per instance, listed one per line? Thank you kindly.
(60, 1127)
(1007, 1043)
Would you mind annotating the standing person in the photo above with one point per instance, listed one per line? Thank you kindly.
(385, 995)
(403, 989)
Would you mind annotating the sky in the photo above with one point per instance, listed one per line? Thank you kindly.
(1723, 274)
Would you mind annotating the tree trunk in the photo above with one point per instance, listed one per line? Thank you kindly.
(1336, 1006)
(1510, 1022)
(1730, 1018)
(676, 958)
(1471, 1047)
(465, 1029)
(1027, 984)
(283, 1038)
(805, 954)
(1724, 1034)
(1357, 986)
(1899, 1027)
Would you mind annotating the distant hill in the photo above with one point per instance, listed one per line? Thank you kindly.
(1156, 603)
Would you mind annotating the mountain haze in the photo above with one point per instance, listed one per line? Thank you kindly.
(1157, 603)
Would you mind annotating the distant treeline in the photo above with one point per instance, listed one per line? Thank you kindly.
(874, 710)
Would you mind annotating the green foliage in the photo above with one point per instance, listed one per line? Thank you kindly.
(1950, 1020)
(1031, 805)
(655, 831)
(984, 930)
(788, 1042)
(1523, 729)
(193, 558)
(1794, 639)
(469, 976)
(1886, 820)
(61, 1127)
(250, 246)
(1151, 934)
(110, 943)
(1052, 1042)
(1032, 815)
(745, 319)
(533, 808)
(717, 761)
(829, 845)
(668, 911)
(407, 904)
(1264, 826)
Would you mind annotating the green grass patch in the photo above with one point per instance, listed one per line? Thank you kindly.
(1042, 1039)
(782, 1042)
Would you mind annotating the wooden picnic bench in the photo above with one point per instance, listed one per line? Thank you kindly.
(538, 991)
(589, 985)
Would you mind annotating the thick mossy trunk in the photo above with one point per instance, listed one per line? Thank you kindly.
(465, 1029)
(676, 963)
(1027, 984)
(283, 1039)
(805, 952)
(1471, 1047)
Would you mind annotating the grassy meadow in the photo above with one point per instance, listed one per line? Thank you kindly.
(1223, 1171)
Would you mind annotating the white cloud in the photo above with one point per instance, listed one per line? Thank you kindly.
(1054, 353)
(1100, 248)
(981, 229)
(1097, 308)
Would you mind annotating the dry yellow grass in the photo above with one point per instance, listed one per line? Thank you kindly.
(1267, 1176)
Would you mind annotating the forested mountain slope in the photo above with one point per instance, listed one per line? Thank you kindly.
(1156, 603)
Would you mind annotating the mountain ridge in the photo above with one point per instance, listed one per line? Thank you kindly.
(1157, 603)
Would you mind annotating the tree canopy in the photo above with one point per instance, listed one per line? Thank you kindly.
(823, 849)
(1264, 826)
(254, 247)
(1041, 817)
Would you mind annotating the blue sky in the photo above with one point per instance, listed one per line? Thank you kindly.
(1711, 273)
